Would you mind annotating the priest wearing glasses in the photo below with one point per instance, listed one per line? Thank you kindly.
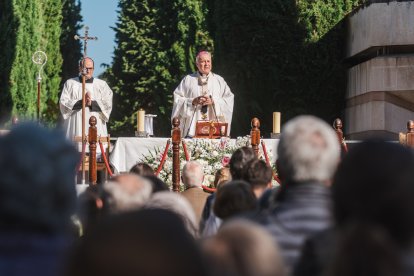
(202, 95)
(98, 102)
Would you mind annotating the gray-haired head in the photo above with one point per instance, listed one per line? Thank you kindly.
(37, 179)
(127, 192)
(193, 174)
(308, 150)
(177, 204)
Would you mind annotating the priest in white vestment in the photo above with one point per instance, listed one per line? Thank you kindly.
(199, 95)
(98, 99)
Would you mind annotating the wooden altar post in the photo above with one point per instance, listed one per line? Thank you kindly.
(92, 139)
(176, 140)
(409, 136)
(255, 135)
(338, 129)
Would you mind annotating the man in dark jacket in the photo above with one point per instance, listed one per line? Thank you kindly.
(308, 154)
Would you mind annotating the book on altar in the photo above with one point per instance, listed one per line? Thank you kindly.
(211, 129)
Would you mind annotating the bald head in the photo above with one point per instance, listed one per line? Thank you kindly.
(193, 174)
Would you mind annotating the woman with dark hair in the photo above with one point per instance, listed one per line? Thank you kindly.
(234, 198)
(239, 160)
(142, 169)
(373, 193)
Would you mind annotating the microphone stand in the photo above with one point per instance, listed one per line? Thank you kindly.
(214, 109)
(215, 115)
(192, 118)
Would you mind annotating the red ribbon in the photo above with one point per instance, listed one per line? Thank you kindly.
(164, 156)
(187, 156)
(207, 189)
(105, 160)
(275, 177)
(265, 153)
(344, 146)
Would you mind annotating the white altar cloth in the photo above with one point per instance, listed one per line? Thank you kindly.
(130, 150)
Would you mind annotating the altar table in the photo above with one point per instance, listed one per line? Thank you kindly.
(130, 150)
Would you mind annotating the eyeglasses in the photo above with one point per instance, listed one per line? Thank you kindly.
(89, 68)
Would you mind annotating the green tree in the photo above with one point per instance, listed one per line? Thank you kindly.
(280, 55)
(157, 42)
(26, 27)
(70, 48)
(52, 13)
(8, 38)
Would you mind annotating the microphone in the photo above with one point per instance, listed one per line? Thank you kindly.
(192, 118)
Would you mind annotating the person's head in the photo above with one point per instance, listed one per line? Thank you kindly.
(374, 209)
(37, 179)
(243, 248)
(92, 206)
(127, 192)
(222, 175)
(374, 183)
(203, 62)
(179, 205)
(308, 150)
(157, 184)
(145, 242)
(234, 198)
(142, 169)
(259, 175)
(89, 66)
(238, 161)
(193, 174)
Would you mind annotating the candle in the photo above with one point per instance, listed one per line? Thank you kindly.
(140, 120)
(276, 122)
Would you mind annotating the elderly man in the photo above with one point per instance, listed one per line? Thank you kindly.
(127, 192)
(193, 177)
(308, 154)
(98, 99)
(202, 96)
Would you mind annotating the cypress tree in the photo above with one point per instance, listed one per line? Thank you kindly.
(27, 16)
(52, 14)
(157, 42)
(26, 27)
(70, 48)
(8, 39)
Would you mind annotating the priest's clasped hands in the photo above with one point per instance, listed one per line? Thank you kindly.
(202, 100)
(88, 98)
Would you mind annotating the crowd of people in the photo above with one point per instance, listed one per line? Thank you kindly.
(331, 215)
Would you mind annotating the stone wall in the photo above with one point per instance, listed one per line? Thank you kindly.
(380, 93)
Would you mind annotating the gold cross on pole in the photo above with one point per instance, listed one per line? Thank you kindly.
(85, 39)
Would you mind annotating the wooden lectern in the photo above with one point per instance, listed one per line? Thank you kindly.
(211, 129)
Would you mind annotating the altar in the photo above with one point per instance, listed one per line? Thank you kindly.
(130, 150)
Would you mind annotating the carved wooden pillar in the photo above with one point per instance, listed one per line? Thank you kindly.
(176, 139)
(410, 134)
(92, 139)
(255, 135)
(338, 129)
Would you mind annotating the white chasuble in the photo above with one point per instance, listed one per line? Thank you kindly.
(190, 88)
(72, 93)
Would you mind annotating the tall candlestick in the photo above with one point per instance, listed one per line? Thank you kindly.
(141, 120)
(276, 122)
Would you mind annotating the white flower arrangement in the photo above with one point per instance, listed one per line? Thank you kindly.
(210, 153)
